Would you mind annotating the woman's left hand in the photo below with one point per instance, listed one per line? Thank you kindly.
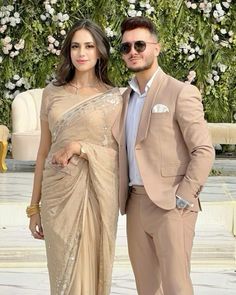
(62, 157)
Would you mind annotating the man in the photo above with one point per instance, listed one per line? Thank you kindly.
(165, 157)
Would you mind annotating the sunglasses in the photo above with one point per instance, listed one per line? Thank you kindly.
(139, 46)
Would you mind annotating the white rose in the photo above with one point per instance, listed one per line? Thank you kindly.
(62, 32)
(200, 52)
(222, 67)
(215, 38)
(51, 39)
(189, 4)
(215, 14)
(19, 83)
(16, 77)
(230, 33)
(223, 31)
(214, 72)
(226, 5)
(216, 78)
(139, 13)
(56, 43)
(66, 17)
(58, 52)
(43, 17)
(131, 13)
(16, 15)
(12, 54)
(194, 6)
(132, 6)
(51, 11)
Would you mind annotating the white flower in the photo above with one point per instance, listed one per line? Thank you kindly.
(185, 50)
(139, 13)
(226, 5)
(142, 4)
(191, 57)
(10, 85)
(216, 78)
(66, 17)
(53, 1)
(43, 17)
(200, 52)
(62, 32)
(3, 28)
(223, 31)
(12, 54)
(3, 21)
(215, 14)
(148, 6)
(218, 7)
(192, 50)
(10, 8)
(214, 72)
(51, 11)
(131, 13)
(6, 40)
(191, 76)
(56, 43)
(224, 43)
(19, 83)
(189, 4)
(1, 59)
(131, 1)
(222, 67)
(132, 6)
(51, 39)
(58, 52)
(16, 15)
(230, 40)
(209, 75)
(197, 48)
(215, 38)
(194, 6)
(230, 33)
(191, 38)
(16, 77)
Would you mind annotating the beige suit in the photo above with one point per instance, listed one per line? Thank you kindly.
(173, 149)
(174, 155)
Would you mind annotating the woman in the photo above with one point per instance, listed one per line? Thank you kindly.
(76, 168)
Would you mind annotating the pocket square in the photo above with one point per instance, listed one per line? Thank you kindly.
(160, 108)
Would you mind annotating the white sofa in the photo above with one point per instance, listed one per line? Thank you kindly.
(26, 125)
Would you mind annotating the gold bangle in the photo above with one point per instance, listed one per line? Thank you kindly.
(32, 210)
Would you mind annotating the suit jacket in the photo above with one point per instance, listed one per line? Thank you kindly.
(173, 149)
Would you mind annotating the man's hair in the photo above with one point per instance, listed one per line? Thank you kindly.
(135, 22)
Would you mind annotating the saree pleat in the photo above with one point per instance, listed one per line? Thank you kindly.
(80, 201)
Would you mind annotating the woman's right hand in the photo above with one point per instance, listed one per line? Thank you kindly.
(35, 226)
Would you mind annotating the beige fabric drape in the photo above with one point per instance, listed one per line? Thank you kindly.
(80, 201)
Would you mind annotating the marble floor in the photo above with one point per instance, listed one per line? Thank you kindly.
(23, 263)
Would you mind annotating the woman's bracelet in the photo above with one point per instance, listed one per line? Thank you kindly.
(32, 210)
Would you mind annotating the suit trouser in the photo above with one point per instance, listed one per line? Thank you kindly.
(160, 244)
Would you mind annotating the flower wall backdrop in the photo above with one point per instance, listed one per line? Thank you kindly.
(198, 44)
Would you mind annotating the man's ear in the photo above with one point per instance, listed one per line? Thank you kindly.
(157, 49)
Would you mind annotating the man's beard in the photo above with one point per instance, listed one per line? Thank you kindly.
(141, 69)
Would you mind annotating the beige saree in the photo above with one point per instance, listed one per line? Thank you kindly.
(80, 201)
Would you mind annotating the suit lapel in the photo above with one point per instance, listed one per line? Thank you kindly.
(148, 104)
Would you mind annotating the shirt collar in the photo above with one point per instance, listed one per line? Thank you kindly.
(134, 84)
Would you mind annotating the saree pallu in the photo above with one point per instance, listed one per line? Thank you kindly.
(80, 201)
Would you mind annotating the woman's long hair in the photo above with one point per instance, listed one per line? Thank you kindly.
(66, 70)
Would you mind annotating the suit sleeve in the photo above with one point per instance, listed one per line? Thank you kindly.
(190, 117)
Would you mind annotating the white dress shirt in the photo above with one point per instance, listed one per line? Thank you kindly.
(131, 127)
